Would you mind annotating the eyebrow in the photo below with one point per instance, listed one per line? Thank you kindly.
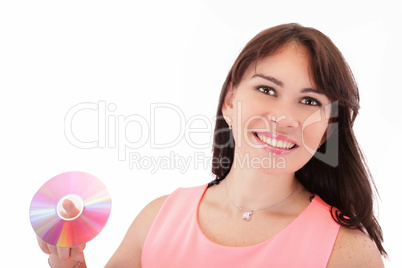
(269, 78)
(280, 84)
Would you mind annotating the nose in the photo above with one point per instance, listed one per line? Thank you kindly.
(284, 118)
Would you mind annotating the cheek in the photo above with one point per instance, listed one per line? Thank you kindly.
(313, 134)
(313, 130)
(246, 113)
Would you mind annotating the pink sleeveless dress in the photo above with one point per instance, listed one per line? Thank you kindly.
(176, 239)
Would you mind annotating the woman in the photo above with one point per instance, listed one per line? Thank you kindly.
(291, 187)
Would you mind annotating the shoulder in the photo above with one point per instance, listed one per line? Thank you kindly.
(147, 216)
(130, 249)
(353, 248)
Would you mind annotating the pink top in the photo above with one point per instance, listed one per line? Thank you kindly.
(176, 239)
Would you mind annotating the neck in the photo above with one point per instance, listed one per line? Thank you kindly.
(253, 189)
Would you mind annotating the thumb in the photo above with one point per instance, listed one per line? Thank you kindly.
(70, 209)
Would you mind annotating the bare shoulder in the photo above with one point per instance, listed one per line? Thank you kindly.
(353, 248)
(129, 252)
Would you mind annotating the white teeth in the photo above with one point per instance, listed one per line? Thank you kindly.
(279, 144)
(288, 145)
(268, 141)
(285, 144)
(275, 143)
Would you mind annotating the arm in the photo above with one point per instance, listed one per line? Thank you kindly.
(354, 249)
(129, 252)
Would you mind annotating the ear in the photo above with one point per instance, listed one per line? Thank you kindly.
(227, 105)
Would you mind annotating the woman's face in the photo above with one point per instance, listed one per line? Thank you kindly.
(279, 117)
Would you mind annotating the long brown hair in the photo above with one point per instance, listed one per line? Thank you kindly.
(345, 185)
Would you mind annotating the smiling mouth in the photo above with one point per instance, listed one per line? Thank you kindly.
(274, 143)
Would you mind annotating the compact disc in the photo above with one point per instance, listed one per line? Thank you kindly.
(70, 209)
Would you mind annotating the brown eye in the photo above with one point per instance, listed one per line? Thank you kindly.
(310, 102)
(266, 90)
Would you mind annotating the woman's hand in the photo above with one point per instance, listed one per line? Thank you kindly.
(75, 253)
(64, 255)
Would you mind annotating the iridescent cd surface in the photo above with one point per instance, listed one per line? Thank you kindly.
(88, 194)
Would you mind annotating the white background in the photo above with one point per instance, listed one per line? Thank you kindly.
(55, 55)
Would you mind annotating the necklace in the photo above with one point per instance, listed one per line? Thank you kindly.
(248, 212)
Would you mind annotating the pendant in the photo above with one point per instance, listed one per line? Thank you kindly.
(247, 215)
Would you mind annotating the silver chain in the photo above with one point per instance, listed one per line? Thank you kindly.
(252, 210)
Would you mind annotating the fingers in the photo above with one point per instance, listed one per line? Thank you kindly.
(77, 253)
(46, 248)
(53, 249)
(43, 246)
(63, 253)
(70, 209)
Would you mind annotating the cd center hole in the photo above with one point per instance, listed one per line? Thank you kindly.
(70, 207)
